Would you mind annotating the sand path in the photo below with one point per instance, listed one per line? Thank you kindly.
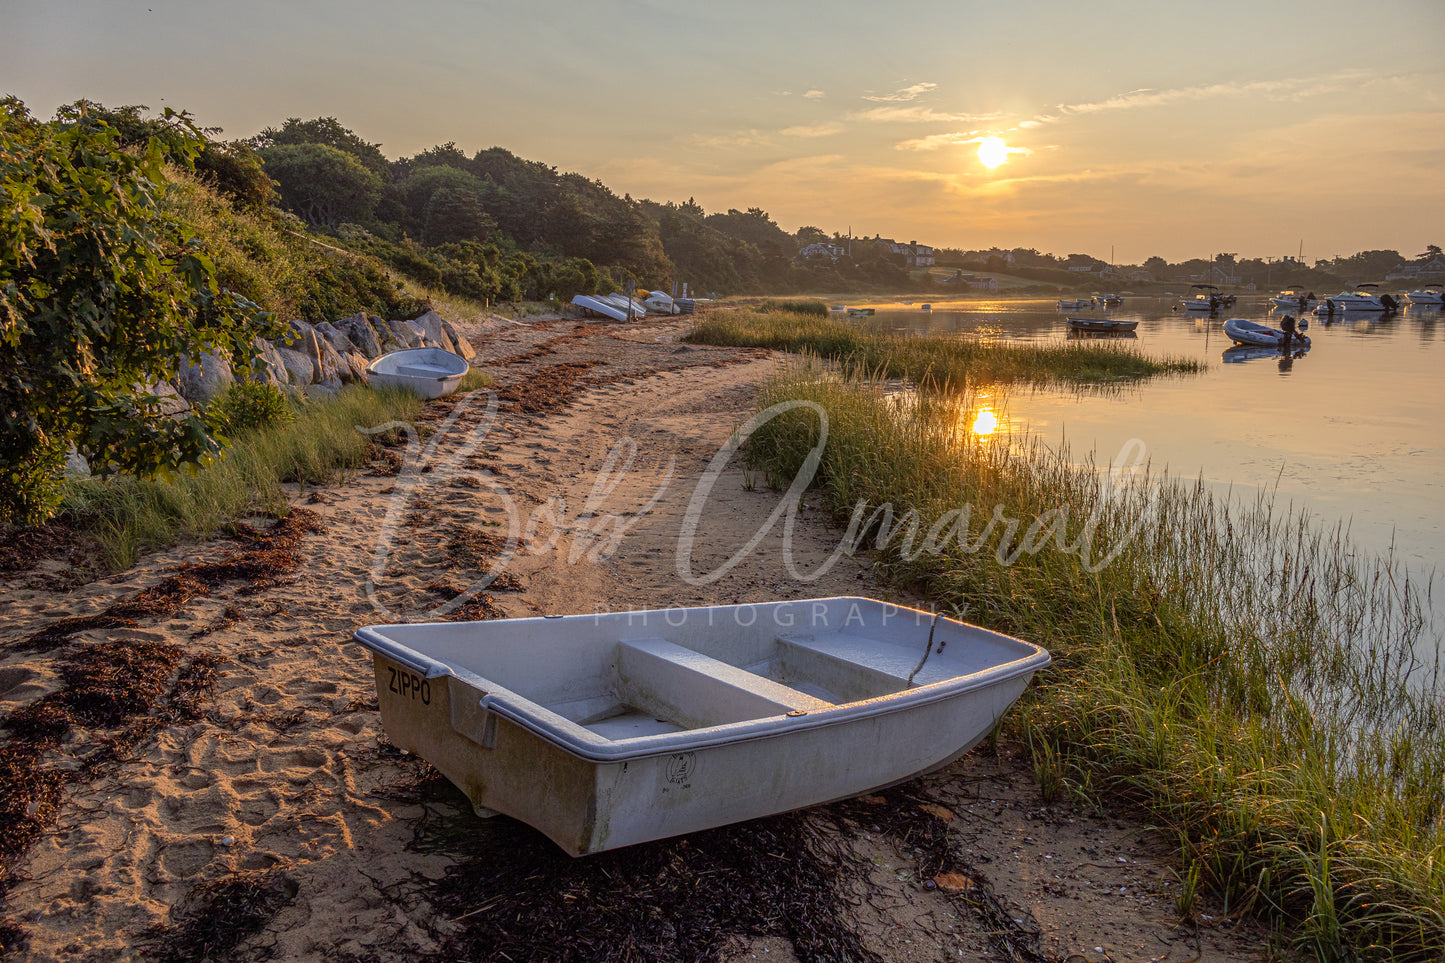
(286, 791)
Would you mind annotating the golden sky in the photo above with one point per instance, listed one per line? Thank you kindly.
(1145, 127)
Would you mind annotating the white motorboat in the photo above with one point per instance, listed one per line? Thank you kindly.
(1363, 298)
(613, 729)
(1206, 297)
(428, 372)
(1428, 297)
(1108, 300)
(1294, 299)
(1082, 304)
(1252, 332)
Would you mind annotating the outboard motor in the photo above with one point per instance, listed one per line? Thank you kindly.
(1390, 303)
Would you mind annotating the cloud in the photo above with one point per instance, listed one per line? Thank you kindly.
(904, 94)
(813, 130)
(745, 138)
(814, 95)
(937, 141)
(1295, 88)
(917, 115)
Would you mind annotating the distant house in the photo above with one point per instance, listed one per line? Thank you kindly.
(1431, 270)
(974, 282)
(914, 254)
(1140, 275)
(1082, 268)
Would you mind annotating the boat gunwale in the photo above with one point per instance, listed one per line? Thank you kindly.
(578, 741)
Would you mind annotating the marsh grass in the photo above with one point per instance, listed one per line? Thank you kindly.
(131, 516)
(1241, 672)
(950, 364)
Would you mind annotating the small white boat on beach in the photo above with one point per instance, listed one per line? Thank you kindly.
(1242, 331)
(428, 372)
(607, 730)
(660, 302)
(602, 306)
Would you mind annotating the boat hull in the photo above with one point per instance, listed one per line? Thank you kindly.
(426, 372)
(655, 772)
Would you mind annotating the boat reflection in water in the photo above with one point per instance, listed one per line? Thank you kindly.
(1241, 353)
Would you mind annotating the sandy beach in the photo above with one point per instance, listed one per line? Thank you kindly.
(273, 820)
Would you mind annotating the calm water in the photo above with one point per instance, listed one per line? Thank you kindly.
(1352, 430)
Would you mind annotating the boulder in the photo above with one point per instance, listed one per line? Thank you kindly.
(460, 344)
(332, 366)
(268, 366)
(360, 333)
(334, 337)
(359, 364)
(300, 369)
(302, 337)
(432, 331)
(405, 334)
(202, 380)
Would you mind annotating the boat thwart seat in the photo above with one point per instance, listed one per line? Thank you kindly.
(696, 690)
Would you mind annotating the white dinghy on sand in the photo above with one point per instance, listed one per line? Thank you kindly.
(429, 372)
(613, 729)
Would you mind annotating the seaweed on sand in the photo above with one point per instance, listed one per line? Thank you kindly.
(263, 560)
(520, 898)
(216, 916)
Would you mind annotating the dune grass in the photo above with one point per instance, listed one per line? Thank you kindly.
(944, 363)
(131, 516)
(1241, 673)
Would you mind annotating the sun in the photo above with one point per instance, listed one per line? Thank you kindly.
(992, 151)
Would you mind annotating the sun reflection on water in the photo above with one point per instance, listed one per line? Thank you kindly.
(985, 422)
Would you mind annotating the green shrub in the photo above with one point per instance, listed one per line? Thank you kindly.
(249, 405)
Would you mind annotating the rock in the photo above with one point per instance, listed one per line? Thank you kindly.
(300, 369)
(330, 365)
(432, 330)
(335, 338)
(358, 364)
(268, 366)
(404, 334)
(302, 337)
(360, 333)
(75, 463)
(461, 345)
(203, 381)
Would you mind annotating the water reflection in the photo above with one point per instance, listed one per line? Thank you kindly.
(985, 422)
(1363, 447)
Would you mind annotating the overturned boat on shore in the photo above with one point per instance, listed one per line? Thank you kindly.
(607, 730)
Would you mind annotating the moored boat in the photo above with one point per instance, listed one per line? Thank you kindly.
(1101, 324)
(428, 372)
(1365, 297)
(613, 729)
(1252, 332)
(1294, 299)
(1083, 303)
(1428, 297)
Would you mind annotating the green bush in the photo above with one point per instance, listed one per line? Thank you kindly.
(249, 405)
